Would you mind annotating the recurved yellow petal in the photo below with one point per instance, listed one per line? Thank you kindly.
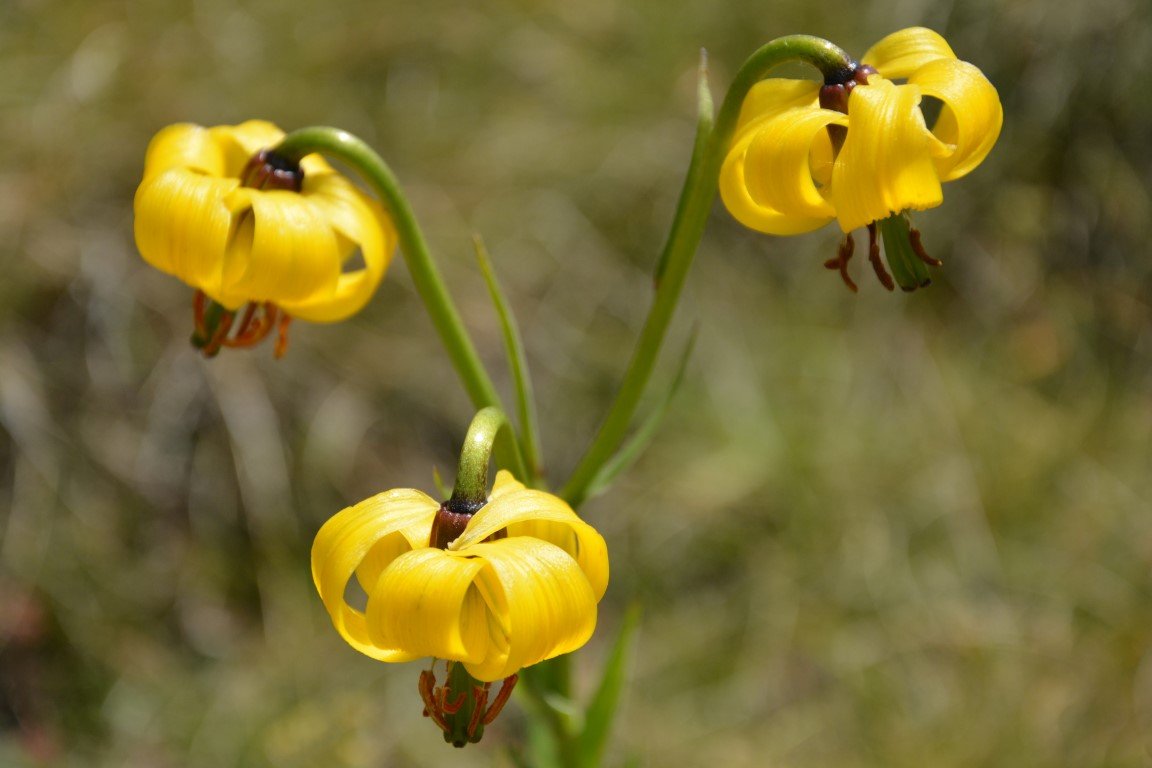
(425, 603)
(743, 183)
(281, 250)
(182, 225)
(748, 210)
(505, 483)
(367, 537)
(361, 225)
(970, 118)
(526, 512)
(238, 143)
(901, 53)
(778, 163)
(886, 164)
(540, 605)
(772, 96)
(183, 145)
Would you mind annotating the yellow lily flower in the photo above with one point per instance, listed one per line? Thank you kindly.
(804, 153)
(518, 586)
(243, 227)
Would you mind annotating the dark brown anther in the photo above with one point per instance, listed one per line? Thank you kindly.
(843, 254)
(918, 247)
(874, 257)
(268, 170)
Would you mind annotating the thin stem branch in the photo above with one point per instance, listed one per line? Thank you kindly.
(472, 473)
(696, 197)
(352, 151)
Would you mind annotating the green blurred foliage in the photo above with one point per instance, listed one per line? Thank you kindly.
(875, 530)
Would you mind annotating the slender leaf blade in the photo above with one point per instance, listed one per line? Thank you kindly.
(639, 441)
(601, 712)
(705, 120)
(517, 364)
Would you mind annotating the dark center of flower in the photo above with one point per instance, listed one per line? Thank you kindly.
(451, 520)
(834, 95)
(269, 170)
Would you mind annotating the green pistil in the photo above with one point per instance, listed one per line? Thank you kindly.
(907, 267)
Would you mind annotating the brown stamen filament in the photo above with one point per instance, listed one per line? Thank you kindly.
(843, 254)
(918, 248)
(216, 327)
(874, 257)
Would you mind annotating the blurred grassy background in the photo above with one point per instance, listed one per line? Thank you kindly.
(875, 530)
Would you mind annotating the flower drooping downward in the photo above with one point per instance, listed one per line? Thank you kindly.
(261, 239)
(491, 590)
(858, 149)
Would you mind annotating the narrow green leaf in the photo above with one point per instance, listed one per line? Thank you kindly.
(704, 110)
(550, 724)
(517, 363)
(705, 119)
(541, 749)
(633, 449)
(602, 709)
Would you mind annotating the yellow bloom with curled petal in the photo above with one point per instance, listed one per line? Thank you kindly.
(519, 586)
(232, 223)
(796, 163)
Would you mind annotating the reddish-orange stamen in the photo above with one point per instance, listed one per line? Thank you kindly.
(843, 254)
(282, 335)
(918, 247)
(874, 258)
(217, 327)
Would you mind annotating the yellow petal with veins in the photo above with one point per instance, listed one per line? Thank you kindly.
(539, 604)
(739, 172)
(901, 53)
(181, 223)
(368, 537)
(425, 603)
(971, 116)
(886, 165)
(185, 146)
(743, 181)
(525, 512)
(363, 226)
(281, 250)
(770, 97)
(778, 163)
(505, 483)
(238, 143)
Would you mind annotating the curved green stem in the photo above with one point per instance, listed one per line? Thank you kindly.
(471, 487)
(696, 197)
(350, 150)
